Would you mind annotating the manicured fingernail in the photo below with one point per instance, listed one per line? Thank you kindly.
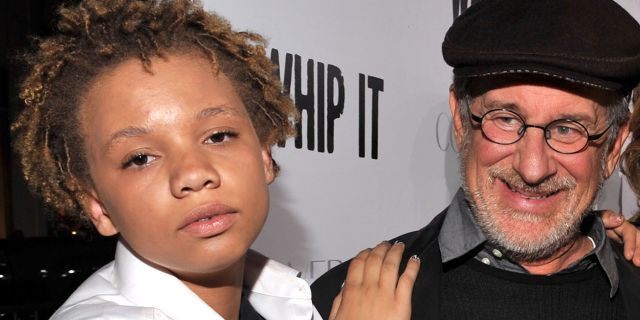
(415, 258)
(398, 243)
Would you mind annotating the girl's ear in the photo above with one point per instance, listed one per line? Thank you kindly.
(267, 164)
(98, 214)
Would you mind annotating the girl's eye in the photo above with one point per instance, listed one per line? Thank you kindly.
(221, 137)
(138, 161)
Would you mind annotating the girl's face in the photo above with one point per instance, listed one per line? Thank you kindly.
(176, 165)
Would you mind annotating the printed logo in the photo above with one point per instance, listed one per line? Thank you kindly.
(318, 91)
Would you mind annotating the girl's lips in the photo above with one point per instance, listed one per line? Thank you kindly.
(209, 220)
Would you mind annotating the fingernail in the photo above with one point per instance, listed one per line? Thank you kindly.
(415, 258)
(398, 243)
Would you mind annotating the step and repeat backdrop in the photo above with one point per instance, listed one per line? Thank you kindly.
(374, 155)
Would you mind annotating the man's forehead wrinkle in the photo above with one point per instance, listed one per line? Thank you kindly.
(570, 112)
(492, 105)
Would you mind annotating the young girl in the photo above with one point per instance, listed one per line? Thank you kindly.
(155, 121)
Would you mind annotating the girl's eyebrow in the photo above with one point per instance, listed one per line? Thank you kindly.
(125, 133)
(214, 111)
(131, 132)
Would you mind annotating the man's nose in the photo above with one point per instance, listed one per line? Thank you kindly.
(534, 160)
(191, 173)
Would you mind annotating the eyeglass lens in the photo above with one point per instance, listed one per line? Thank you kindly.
(507, 127)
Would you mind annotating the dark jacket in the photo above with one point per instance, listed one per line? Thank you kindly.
(426, 295)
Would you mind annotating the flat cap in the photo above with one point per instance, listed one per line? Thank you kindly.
(591, 42)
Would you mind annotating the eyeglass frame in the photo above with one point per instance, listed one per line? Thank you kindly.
(522, 130)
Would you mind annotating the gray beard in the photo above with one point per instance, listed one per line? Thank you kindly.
(521, 251)
(561, 235)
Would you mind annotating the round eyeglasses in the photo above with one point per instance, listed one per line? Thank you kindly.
(503, 126)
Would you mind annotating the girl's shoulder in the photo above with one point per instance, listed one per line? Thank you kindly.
(99, 298)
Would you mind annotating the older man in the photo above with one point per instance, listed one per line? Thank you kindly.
(540, 107)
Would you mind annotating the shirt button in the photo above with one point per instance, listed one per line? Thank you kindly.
(497, 253)
(486, 261)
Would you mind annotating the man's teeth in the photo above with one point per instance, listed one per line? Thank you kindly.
(204, 219)
(529, 196)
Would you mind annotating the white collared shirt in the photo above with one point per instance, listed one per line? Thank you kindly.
(128, 288)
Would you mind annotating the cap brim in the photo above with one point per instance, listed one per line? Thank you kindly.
(537, 70)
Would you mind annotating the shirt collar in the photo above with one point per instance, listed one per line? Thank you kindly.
(460, 234)
(147, 286)
(274, 290)
(604, 253)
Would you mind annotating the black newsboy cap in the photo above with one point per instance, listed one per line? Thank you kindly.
(592, 42)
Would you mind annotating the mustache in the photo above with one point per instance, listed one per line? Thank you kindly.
(550, 185)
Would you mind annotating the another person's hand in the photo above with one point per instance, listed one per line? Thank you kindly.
(373, 289)
(620, 230)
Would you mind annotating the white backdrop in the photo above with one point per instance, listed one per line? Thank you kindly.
(328, 204)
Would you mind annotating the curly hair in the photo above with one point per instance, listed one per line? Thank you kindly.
(631, 156)
(95, 36)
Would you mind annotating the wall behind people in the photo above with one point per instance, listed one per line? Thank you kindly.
(374, 157)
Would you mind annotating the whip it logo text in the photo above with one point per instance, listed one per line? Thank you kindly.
(318, 90)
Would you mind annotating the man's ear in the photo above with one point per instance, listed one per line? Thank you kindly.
(268, 165)
(458, 127)
(98, 214)
(615, 152)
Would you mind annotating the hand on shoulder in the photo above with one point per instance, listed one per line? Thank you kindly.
(622, 231)
(374, 289)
